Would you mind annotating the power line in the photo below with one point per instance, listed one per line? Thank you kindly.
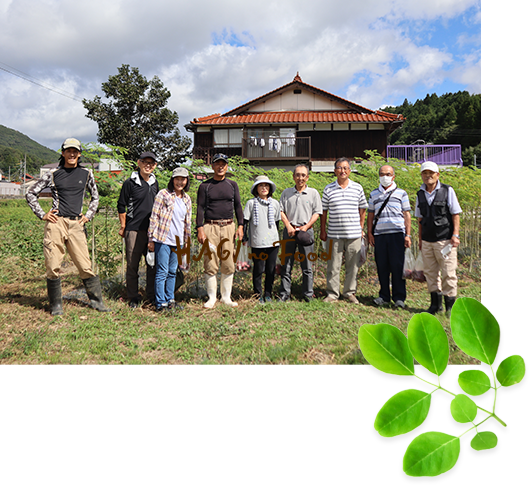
(31, 79)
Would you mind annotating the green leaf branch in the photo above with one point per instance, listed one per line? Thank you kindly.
(476, 332)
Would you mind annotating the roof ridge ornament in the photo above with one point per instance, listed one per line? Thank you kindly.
(297, 77)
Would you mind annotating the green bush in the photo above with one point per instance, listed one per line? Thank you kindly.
(21, 233)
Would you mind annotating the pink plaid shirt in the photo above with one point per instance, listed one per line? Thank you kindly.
(163, 212)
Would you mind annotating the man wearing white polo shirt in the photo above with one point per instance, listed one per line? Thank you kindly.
(438, 213)
(344, 209)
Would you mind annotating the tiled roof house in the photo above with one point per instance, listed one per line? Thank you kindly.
(295, 123)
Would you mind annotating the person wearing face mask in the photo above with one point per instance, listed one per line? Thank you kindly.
(389, 225)
(438, 213)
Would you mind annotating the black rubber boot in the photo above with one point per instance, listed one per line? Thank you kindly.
(55, 296)
(436, 303)
(93, 291)
(449, 302)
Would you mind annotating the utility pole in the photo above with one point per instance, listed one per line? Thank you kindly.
(23, 174)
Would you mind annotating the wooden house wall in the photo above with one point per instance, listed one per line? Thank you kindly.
(325, 145)
(203, 140)
(330, 145)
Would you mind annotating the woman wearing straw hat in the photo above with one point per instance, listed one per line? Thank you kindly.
(262, 218)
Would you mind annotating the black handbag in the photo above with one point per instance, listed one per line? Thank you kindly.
(179, 281)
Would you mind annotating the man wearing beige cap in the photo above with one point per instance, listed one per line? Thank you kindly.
(65, 223)
(438, 213)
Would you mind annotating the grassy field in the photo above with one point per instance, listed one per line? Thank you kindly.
(277, 333)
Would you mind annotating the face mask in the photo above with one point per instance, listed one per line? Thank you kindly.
(385, 181)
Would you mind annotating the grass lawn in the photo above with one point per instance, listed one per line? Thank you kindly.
(295, 332)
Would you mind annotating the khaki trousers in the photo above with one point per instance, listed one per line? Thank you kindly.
(351, 249)
(435, 265)
(71, 234)
(215, 234)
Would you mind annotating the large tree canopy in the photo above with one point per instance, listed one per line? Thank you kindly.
(136, 117)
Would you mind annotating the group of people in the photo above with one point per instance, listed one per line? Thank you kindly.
(157, 220)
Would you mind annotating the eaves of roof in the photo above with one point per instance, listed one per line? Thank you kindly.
(299, 117)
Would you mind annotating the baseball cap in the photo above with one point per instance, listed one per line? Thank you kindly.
(430, 166)
(148, 155)
(219, 156)
(71, 143)
(180, 172)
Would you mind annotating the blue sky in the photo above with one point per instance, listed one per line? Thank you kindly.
(372, 53)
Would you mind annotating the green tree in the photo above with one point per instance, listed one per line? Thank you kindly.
(136, 117)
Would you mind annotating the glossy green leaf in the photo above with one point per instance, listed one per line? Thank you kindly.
(486, 440)
(474, 382)
(428, 342)
(463, 409)
(475, 330)
(511, 370)
(402, 413)
(386, 348)
(431, 454)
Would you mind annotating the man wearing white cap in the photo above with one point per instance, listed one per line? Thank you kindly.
(65, 223)
(438, 213)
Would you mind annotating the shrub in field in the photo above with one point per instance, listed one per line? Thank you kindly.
(21, 234)
(476, 332)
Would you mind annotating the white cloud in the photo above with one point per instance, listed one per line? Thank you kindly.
(78, 45)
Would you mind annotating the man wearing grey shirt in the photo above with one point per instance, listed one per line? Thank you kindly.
(300, 207)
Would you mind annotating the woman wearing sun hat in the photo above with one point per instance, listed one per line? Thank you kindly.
(262, 218)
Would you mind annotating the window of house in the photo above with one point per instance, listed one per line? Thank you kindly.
(225, 137)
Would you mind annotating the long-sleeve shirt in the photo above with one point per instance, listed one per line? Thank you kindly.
(218, 199)
(68, 187)
(162, 213)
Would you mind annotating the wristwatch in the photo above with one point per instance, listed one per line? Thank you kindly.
(456, 235)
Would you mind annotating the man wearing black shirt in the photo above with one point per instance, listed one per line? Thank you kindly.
(217, 200)
(65, 224)
(134, 210)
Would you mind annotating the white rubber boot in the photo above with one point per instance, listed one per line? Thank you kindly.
(226, 289)
(211, 287)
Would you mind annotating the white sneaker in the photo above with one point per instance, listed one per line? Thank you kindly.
(380, 302)
(399, 304)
